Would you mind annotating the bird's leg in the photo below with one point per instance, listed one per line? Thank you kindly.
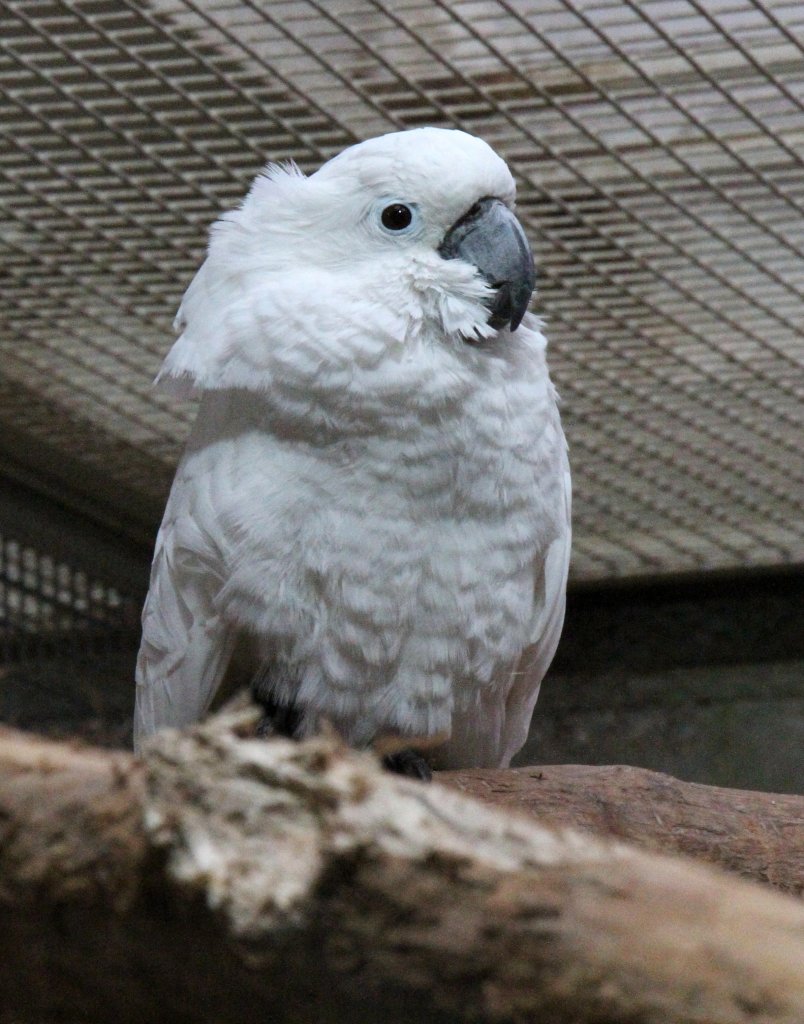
(278, 719)
(281, 719)
(408, 762)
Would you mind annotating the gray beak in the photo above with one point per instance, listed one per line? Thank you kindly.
(491, 238)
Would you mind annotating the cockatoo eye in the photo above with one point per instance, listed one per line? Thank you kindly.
(396, 217)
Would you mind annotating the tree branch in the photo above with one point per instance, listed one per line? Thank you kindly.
(757, 835)
(233, 879)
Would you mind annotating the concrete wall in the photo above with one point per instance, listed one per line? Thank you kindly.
(703, 682)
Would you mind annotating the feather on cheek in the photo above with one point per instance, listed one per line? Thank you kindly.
(451, 297)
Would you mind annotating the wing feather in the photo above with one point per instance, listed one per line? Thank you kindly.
(498, 726)
(536, 658)
(186, 645)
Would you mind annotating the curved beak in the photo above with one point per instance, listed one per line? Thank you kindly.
(491, 238)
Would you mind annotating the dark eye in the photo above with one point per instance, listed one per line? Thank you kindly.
(396, 217)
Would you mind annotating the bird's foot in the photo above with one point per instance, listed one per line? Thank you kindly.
(279, 720)
(408, 762)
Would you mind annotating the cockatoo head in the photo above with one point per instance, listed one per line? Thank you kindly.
(400, 244)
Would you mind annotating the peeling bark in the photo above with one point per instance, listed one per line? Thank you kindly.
(232, 879)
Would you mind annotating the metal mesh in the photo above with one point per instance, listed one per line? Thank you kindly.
(67, 647)
(657, 147)
(49, 608)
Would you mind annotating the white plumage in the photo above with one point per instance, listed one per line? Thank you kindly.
(374, 503)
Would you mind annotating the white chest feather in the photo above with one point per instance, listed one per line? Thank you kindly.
(391, 574)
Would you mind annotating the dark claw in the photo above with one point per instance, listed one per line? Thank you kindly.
(279, 719)
(410, 763)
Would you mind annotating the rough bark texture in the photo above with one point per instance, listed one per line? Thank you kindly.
(233, 879)
(758, 835)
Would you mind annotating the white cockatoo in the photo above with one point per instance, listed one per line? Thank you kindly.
(372, 516)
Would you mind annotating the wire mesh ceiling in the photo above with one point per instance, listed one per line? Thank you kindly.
(657, 147)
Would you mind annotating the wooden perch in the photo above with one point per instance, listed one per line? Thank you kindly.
(758, 835)
(233, 879)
